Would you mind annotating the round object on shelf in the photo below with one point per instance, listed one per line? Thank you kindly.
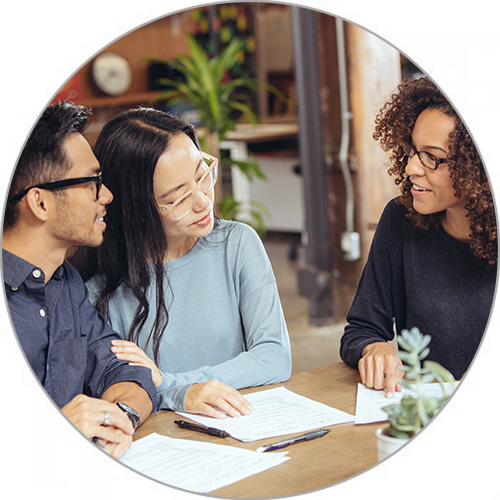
(111, 73)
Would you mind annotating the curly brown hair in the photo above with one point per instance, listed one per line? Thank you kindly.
(393, 127)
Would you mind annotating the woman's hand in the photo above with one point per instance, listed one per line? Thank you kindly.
(207, 398)
(379, 367)
(128, 351)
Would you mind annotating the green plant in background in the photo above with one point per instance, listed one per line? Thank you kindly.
(205, 86)
(220, 102)
(415, 411)
(230, 209)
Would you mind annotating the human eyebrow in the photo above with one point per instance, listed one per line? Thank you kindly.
(436, 149)
(425, 149)
(94, 171)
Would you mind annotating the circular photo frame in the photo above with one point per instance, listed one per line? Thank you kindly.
(141, 90)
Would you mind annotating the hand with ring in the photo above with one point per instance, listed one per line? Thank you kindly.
(100, 419)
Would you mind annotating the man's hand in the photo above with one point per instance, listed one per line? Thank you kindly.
(128, 351)
(379, 367)
(205, 397)
(116, 450)
(97, 418)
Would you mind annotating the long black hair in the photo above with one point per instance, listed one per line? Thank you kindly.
(128, 149)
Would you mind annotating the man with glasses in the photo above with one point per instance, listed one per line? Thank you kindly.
(56, 202)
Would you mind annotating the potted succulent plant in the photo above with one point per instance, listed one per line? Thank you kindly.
(417, 408)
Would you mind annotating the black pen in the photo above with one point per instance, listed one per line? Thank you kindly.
(298, 439)
(201, 428)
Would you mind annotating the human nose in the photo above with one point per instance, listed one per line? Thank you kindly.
(201, 200)
(105, 195)
(414, 167)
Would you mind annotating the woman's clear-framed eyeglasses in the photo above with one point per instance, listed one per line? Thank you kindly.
(184, 204)
(428, 160)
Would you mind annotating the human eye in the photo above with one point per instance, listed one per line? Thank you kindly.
(205, 183)
(183, 202)
(429, 159)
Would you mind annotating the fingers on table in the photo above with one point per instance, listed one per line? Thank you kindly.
(115, 449)
(217, 400)
(380, 372)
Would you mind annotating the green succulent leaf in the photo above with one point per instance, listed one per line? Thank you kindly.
(415, 411)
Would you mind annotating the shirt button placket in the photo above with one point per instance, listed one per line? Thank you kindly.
(36, 274)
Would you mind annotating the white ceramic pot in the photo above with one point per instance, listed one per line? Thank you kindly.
(387, 445)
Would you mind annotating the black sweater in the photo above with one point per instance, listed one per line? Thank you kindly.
(424, 279)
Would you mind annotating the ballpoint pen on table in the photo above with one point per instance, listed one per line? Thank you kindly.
(298, 439)
(201, 428)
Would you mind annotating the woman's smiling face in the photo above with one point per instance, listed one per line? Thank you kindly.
(178, 170)
(432, 190)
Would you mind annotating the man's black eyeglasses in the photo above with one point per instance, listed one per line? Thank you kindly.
(62, 184)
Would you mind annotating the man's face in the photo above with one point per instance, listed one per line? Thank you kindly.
(79, 219)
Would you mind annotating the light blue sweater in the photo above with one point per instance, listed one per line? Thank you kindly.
(225, 317)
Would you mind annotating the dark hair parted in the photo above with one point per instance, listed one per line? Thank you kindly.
(128, 149)
(43, 158)
(393, 128)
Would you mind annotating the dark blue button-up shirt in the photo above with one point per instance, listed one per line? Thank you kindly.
(66, 341)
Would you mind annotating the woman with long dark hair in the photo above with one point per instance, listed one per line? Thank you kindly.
(433, 259)
(193, 293)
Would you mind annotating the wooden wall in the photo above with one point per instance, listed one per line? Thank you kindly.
(374, 70)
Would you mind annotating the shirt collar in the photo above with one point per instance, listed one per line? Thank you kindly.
(17, 270)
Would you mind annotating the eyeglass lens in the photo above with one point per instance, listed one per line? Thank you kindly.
(184, 204)
(426, 159)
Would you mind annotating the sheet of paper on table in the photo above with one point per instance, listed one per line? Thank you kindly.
(369, 402)
(276, 412)
(196, 466)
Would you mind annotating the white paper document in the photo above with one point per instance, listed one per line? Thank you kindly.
(369, 402)
(196, 466)
(276, 412)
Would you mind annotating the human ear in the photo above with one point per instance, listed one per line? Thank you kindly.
(38, 203)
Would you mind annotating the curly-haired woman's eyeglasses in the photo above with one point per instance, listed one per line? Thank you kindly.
(428, 160)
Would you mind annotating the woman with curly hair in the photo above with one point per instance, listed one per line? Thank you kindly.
(432, 263)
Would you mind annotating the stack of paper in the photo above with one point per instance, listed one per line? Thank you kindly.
(369, 402)
(276, 412)
(203, 467)
(196, 466)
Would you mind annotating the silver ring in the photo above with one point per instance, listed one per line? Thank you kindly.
(106, 418)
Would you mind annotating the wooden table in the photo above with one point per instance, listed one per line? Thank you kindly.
(347, 450)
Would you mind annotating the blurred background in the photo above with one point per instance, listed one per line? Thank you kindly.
(295, 114)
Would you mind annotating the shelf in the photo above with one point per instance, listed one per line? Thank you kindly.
(123, 100)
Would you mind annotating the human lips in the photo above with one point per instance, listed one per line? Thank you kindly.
(205, 220)
(417, 189)
(100, 220)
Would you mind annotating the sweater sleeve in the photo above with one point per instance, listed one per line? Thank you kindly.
(380, 291)
(266, 357)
